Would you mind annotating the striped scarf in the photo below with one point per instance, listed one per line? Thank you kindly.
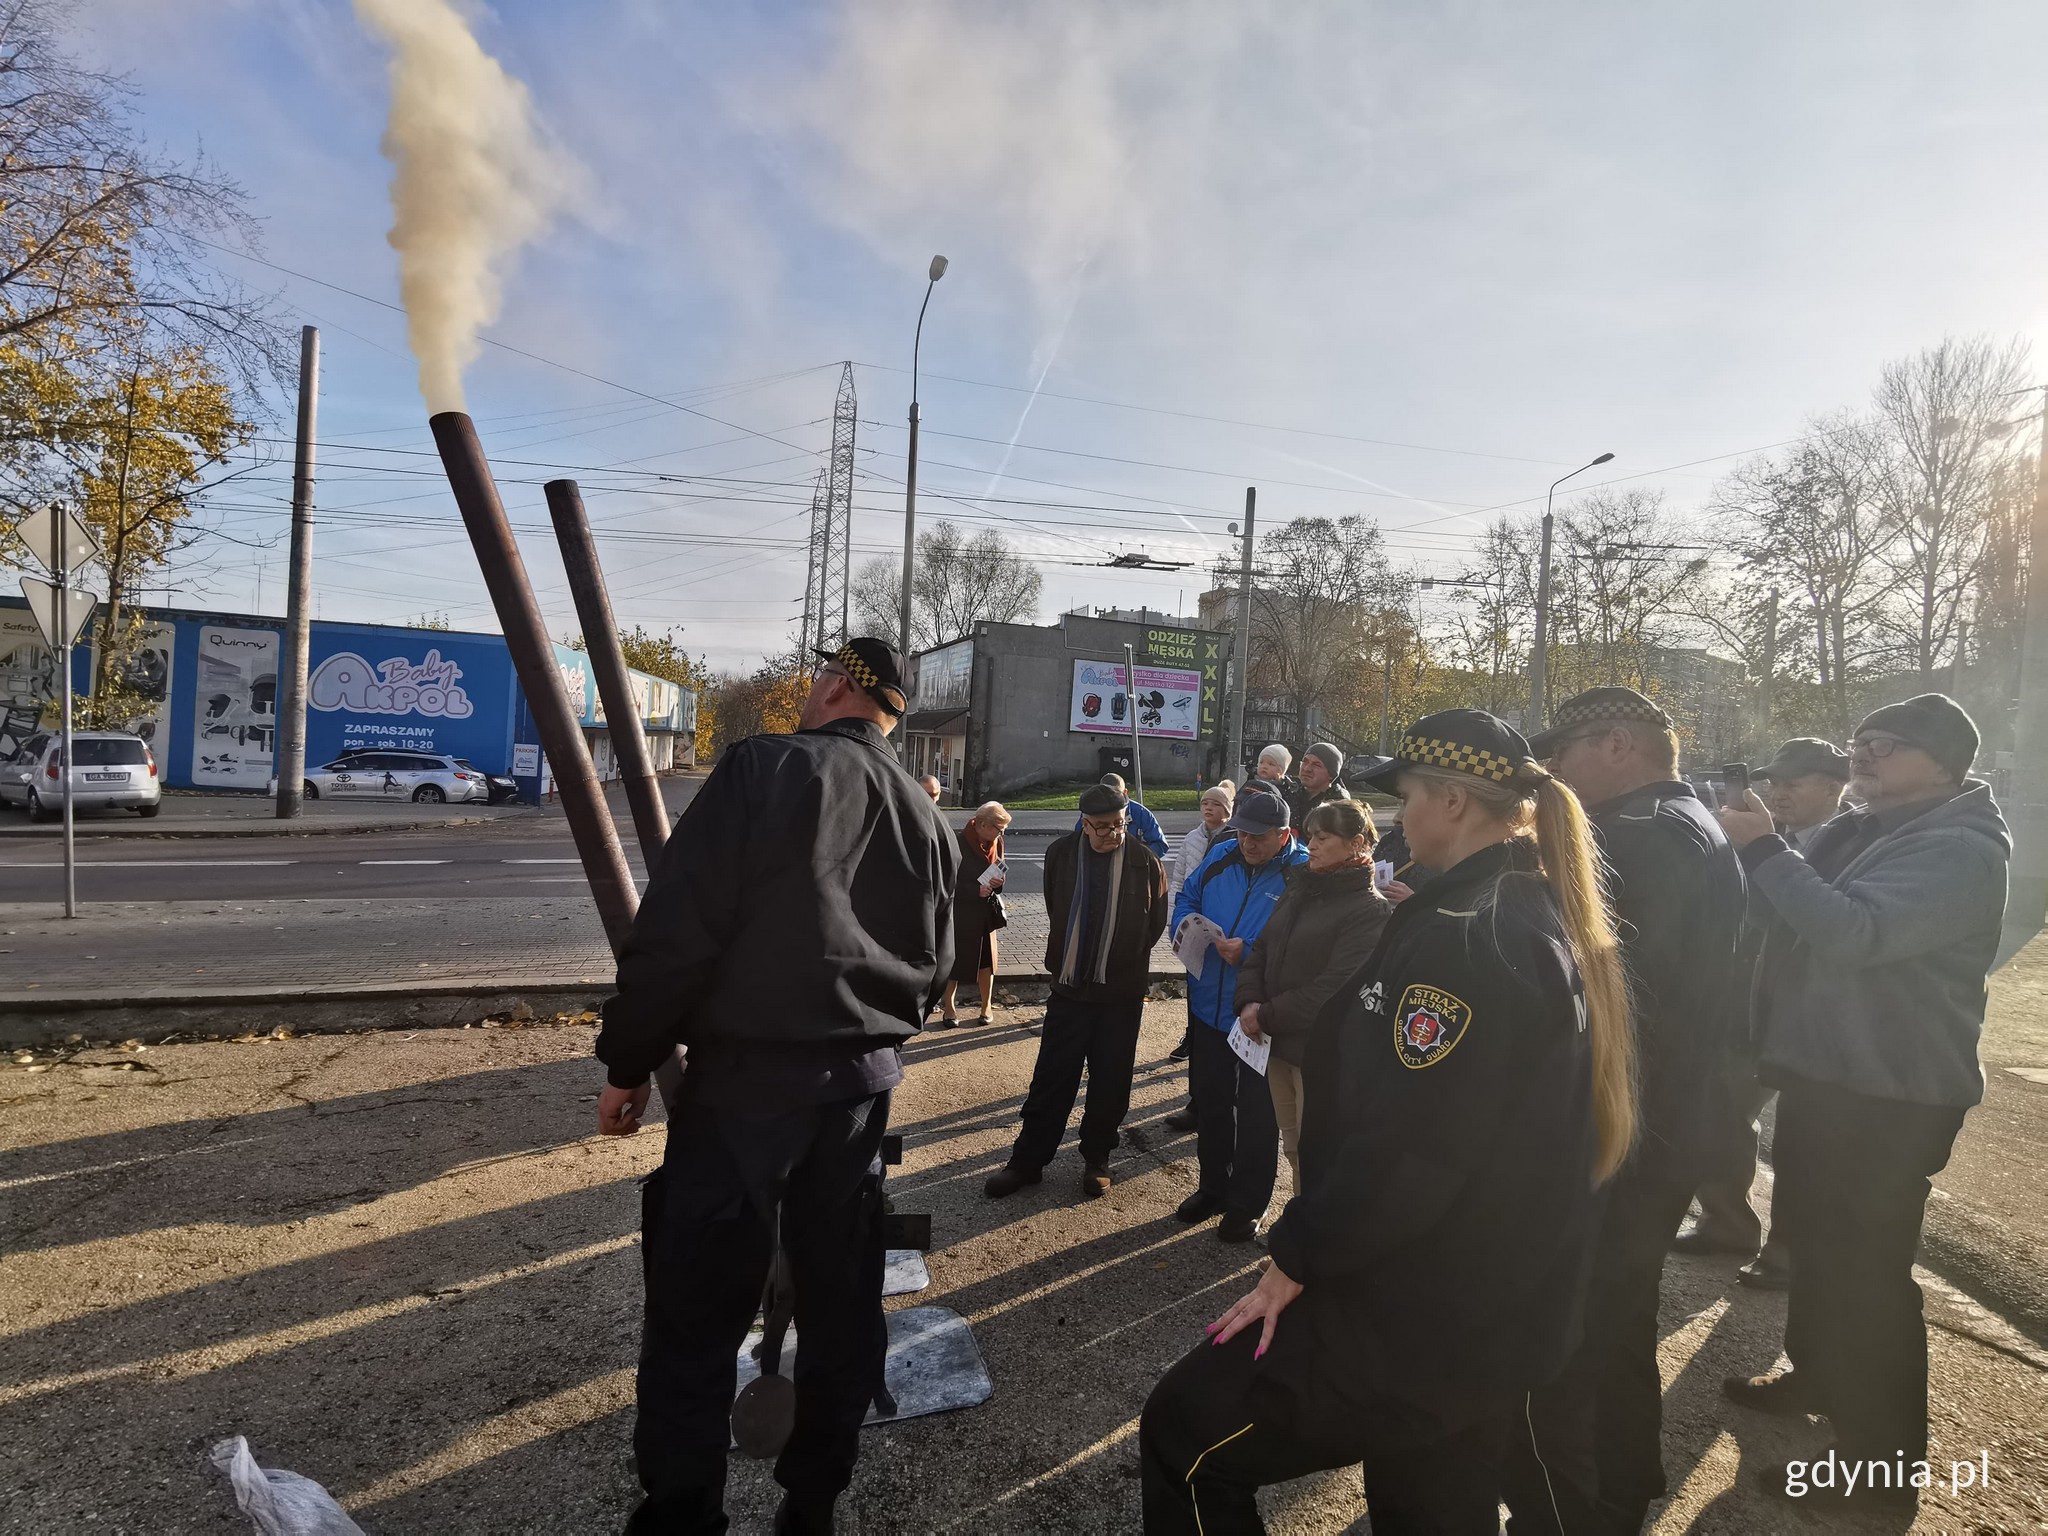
(1078, 914)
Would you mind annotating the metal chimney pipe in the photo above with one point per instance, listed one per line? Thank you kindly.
(533, 659)
(608, 661)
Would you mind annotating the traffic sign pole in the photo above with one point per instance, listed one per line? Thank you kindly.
(60, 568)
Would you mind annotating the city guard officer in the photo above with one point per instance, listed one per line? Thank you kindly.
(795, 932)
(1466, 1092)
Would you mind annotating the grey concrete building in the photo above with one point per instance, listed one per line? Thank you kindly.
(1050, 703)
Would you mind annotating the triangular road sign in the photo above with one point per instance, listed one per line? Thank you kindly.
(42, 602)
(40, 530)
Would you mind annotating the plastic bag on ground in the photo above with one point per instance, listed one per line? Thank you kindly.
(281, 1503)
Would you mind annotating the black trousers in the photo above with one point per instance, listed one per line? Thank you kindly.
(1588, 1454)
(1852, 1181)
(1204, 1454)
(1237, 1136)
(708, 1234)
(1103, 1038)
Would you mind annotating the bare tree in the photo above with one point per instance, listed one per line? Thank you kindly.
(1811, 523)
(1327, 611)
(956, 583)
(1621, 580)
(1497, 602)
(1939, 472)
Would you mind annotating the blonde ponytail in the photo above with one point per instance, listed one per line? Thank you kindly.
(1565, 842)
(1533, 800)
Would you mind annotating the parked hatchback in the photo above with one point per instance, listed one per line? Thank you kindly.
(110, 770)
(394, 775)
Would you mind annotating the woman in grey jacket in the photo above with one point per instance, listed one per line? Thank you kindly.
(1868, 1003)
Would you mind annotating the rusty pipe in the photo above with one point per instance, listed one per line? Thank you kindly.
(533, 658)
(608, 661)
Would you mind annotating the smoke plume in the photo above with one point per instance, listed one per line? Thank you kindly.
(474, 180)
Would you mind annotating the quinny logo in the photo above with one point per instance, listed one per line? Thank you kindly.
(395, 687)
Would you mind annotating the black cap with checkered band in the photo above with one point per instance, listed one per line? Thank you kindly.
(1462, 740)
(876, 668)
(1596, 706)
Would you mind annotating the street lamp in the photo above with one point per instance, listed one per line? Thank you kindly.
(937, 271)
(1532, 716)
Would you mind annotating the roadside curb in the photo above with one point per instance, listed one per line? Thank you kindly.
(36, 1022)
(88, 831)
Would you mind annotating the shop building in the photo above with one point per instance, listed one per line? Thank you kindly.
(1017, 705)
(209, 686)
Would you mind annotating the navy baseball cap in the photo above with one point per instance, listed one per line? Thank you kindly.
(1256, 813)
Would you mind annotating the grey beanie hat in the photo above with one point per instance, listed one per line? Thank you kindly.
(1936, 724)
(1332, 759)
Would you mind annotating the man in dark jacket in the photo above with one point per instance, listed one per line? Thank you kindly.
(1105, 907)
(1869, 1004)
(797, 928)
(1322, 767)
(1678, 898)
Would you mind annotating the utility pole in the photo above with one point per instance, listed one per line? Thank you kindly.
(1241, 662)
(61, 556)
(1131, 695)
(1539, 657)
(2030, 733)
(298, 620)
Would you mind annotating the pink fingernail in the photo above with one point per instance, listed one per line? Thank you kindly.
(1259, 1353)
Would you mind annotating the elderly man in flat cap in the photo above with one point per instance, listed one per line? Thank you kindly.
(1105, 907)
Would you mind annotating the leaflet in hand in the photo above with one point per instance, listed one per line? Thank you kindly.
(1252, 1052)
(1192, 944)
(995, 872)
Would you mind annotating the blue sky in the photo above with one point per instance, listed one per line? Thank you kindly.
(1463, 243)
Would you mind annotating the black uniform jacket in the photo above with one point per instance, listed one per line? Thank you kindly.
(1443, 1232)
(1679, 899)
(806, 896)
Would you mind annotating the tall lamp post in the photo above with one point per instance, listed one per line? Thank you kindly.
(937, 271)
(1539, 660)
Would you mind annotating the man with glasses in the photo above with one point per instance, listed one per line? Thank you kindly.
(1869, 1003)
(1595, 1434)
(1105, 907)
(796, 931)
(1803, 788)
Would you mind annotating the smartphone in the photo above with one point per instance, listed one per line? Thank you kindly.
(1734, 779)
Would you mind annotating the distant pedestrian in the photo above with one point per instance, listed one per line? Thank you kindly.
(1324, 929)
(1869, 1006)
(929, 783)
(794, 933)
(1105, 907)
(1144, 825)
(1237, 1136)
(977, 912)
(1803, 787)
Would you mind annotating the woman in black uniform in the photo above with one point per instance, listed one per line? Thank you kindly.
(1467, 1091)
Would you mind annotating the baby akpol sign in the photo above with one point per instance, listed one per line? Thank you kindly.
(345, 681)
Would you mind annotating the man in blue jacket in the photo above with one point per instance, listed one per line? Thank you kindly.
(1144, 825)
(1237, 1137)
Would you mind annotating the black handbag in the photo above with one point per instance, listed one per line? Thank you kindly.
(997, 916)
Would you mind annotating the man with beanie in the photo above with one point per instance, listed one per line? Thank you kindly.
(1105, 907)
(1803, 787)
(1144, 825)
(1869, 1003)
(811, 865)
(1321, 765)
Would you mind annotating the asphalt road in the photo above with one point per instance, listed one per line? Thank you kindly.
(519, 861)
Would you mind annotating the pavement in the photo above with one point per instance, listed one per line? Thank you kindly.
(401, 1265)
(232, 815)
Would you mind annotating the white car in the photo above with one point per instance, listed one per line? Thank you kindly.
(110, 770)
(432, 777)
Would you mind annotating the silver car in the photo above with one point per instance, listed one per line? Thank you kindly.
(110, 770)
(431, 777)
